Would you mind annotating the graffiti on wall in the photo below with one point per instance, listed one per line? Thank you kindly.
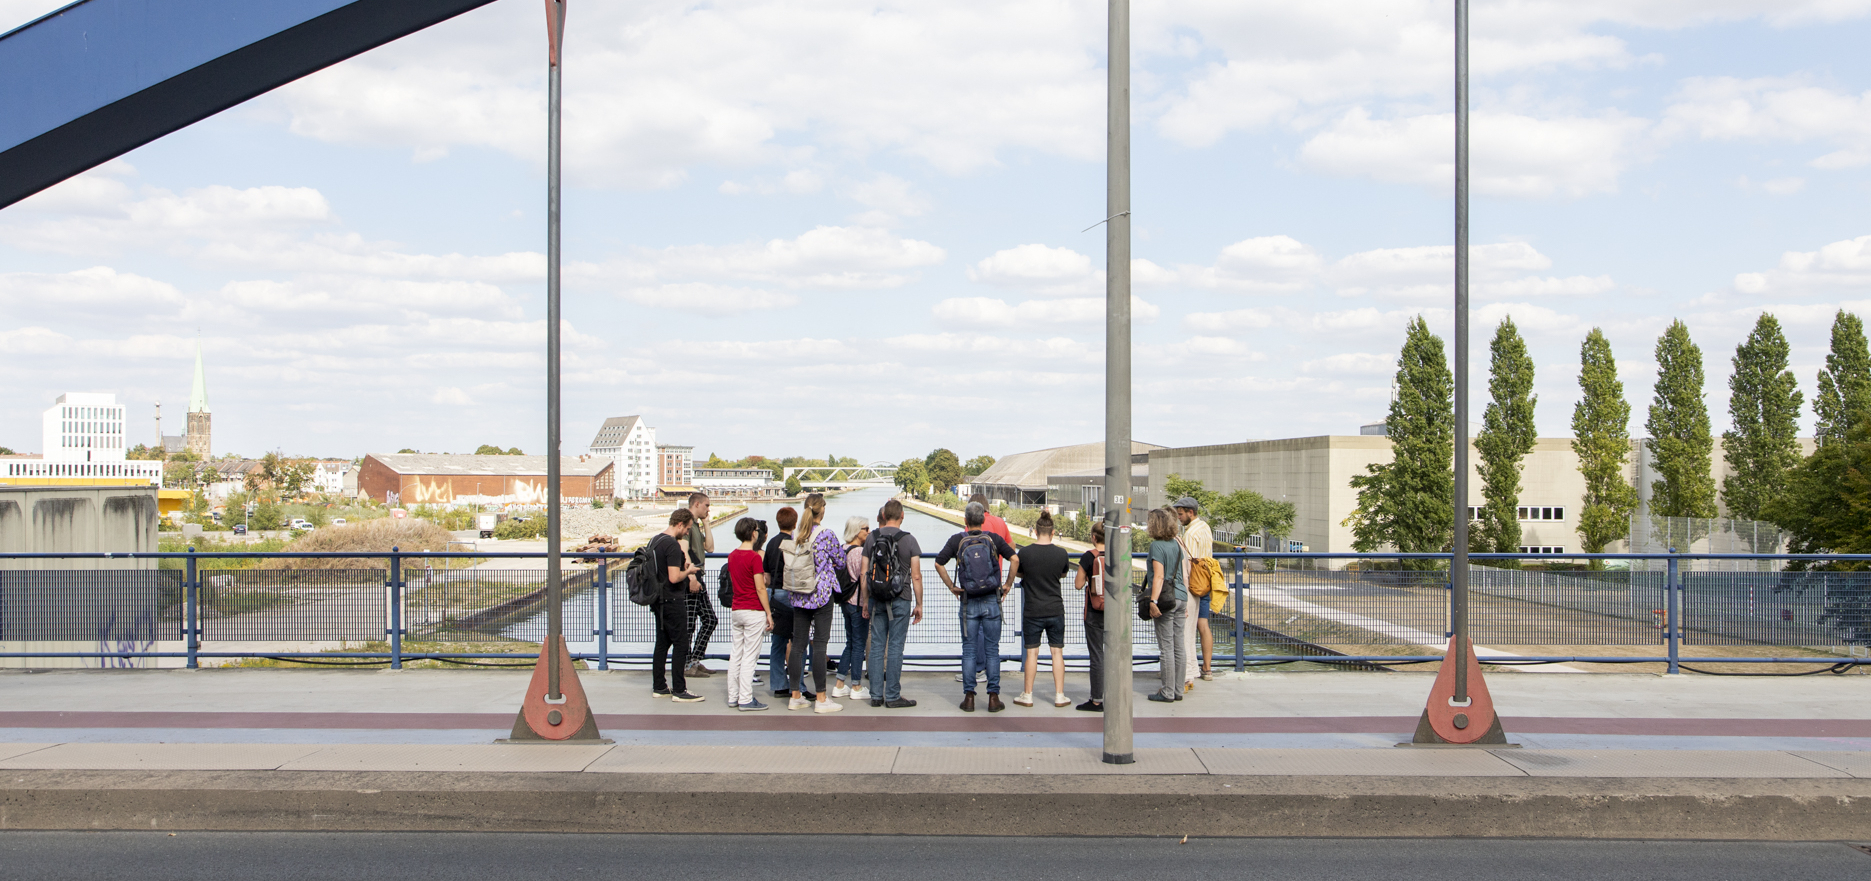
(441, 491)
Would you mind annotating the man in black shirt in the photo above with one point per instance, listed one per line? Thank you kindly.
(782, 601)
(1039, 567)
(672, 608)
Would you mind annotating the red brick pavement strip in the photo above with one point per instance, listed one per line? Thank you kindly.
(705, 721)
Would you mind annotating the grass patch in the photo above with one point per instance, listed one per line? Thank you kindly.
(525, 653)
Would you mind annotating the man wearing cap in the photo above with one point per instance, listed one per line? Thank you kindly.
(1198, 543)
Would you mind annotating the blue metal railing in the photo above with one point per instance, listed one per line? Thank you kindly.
(61, 598)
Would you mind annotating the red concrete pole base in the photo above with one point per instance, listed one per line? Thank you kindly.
(569, 721)
(1446, 723)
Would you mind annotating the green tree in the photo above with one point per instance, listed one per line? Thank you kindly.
(978, 465)
(1764, 406)
(1601, 438)
(1844, 396)
(1827, 505)
(1409, 502)
(1680, 442)
(491, 450)
(1248, 511)
(1176, 486)
(793, 489)
(944, 469)
(140, 452)
(913, 477)
(515, 451)
(406, 450)
(1506, 437)
(266, 515)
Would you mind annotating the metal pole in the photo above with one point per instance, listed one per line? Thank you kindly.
(604, 614)
(191, 611)
(555, 617)
(1240, 613)
(1672, 622)
(1458, 563)
(396, 609)
(1117, 655)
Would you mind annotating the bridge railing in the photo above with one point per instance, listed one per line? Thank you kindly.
(190, 609)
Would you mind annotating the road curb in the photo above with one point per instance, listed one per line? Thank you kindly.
(1201, 806)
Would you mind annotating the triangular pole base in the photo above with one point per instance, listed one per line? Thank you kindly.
(567, 722)
(1443, 723)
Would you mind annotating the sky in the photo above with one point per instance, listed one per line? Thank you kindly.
(828, 226)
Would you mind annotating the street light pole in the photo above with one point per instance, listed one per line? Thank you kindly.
(1117, 620)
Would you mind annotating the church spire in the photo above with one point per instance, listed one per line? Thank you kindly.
(198, 397)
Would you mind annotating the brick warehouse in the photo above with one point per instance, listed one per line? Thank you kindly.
(447, 479)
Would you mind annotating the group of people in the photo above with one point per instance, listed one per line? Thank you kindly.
(782, 588)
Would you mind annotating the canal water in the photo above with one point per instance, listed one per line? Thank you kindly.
(929, 531)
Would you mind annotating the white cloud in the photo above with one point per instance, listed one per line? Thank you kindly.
(709, 299)
(828, 257)
(451, 397)
(1222, 322)
(991, 312)
(1044, 270)
(1842, 264)
(1775, 109)
(1513, 155)
(1352, 363)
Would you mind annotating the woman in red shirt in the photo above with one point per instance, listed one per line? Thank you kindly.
(752, 618)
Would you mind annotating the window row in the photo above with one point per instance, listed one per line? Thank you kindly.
(1524, 513)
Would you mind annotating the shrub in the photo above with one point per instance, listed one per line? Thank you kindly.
(378, 535)
(530, 528)
(266, 515)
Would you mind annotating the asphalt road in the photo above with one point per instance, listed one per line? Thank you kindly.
(158, 856)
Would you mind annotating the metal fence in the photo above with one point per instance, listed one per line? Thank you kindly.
(481, 607)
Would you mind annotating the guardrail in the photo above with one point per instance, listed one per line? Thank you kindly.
(1280, 608)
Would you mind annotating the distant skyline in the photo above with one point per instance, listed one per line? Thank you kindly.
(794, 227)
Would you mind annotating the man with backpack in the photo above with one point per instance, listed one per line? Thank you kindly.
(1203, 576)
(977, 584)
(891, 596)
(676, 575)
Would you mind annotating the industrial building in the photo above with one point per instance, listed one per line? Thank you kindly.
(738, 483)
(449, 479)
(1022, 479)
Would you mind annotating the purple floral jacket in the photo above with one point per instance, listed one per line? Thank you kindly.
(828, 554)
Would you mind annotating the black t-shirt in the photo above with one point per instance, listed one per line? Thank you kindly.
(776, 568)
(1090, 563)
(669, 553)
(1002, 549)
(1041, 567)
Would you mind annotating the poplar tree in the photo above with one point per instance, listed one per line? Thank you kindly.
(1764, 406)
(1680, 442)
(1507, 436)
(1844, 396)
(1601, 438)
(1409, 502)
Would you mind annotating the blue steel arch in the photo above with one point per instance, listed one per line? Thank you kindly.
(99, 78)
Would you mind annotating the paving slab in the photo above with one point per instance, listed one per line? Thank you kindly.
(9, 750)
(161, 756)
(1391, 762)
(1708, 763)
(1004, 760)
(449, 757)
(747, 760)
(1857, 764)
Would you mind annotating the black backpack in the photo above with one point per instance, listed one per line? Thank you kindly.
(979, 571)
(847, 583)
(641, 580)
(888, 576)
(725, 588)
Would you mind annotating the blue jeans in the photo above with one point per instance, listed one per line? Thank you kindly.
(782, 637)
(857, 645)
(890, 629)
(980, 642)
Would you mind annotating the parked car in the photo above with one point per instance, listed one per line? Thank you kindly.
(486, 522)
(337, 521)
(300, 523)
(240, 529)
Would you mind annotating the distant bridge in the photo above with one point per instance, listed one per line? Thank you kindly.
(845, 477)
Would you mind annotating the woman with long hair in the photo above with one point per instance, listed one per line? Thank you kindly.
(812, 609)
(1091, 580)
(1167, 594)
(857, 630)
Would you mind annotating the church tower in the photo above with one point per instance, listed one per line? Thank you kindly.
(199, 420)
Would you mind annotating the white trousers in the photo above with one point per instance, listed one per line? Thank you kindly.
(1190, 649)
(750, 631)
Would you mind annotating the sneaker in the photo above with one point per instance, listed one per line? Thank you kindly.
(698, 671)
(798, 703)
(900, 703)
(781, 692)
(827, 707)
(686, 698)
(1208, 676)
(1060, 700)
(877, 702)
(840, 690)
(661, 692)
(1025, 699)
(751, 706)
(734, 705)
(1092, 706)
(860, 693)
(1161, 698)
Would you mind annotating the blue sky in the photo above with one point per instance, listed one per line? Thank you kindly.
(800, 227)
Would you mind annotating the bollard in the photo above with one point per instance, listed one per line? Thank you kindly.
(603, 633)
(396, 609)
(1240, 613)
(1672, 622)
(191, 611)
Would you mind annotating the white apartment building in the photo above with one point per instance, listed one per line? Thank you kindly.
(630, 444)
(83, 435)
(328, 476)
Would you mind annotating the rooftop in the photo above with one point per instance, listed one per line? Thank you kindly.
(452, 463)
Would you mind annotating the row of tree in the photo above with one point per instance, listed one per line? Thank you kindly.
(939, 472)
(1824, 500)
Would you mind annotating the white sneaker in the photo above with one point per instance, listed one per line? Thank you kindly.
(1025, 699)
(798, 703)
(859, 693)
(841, 690)
(826, 707)
(1060, 700)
